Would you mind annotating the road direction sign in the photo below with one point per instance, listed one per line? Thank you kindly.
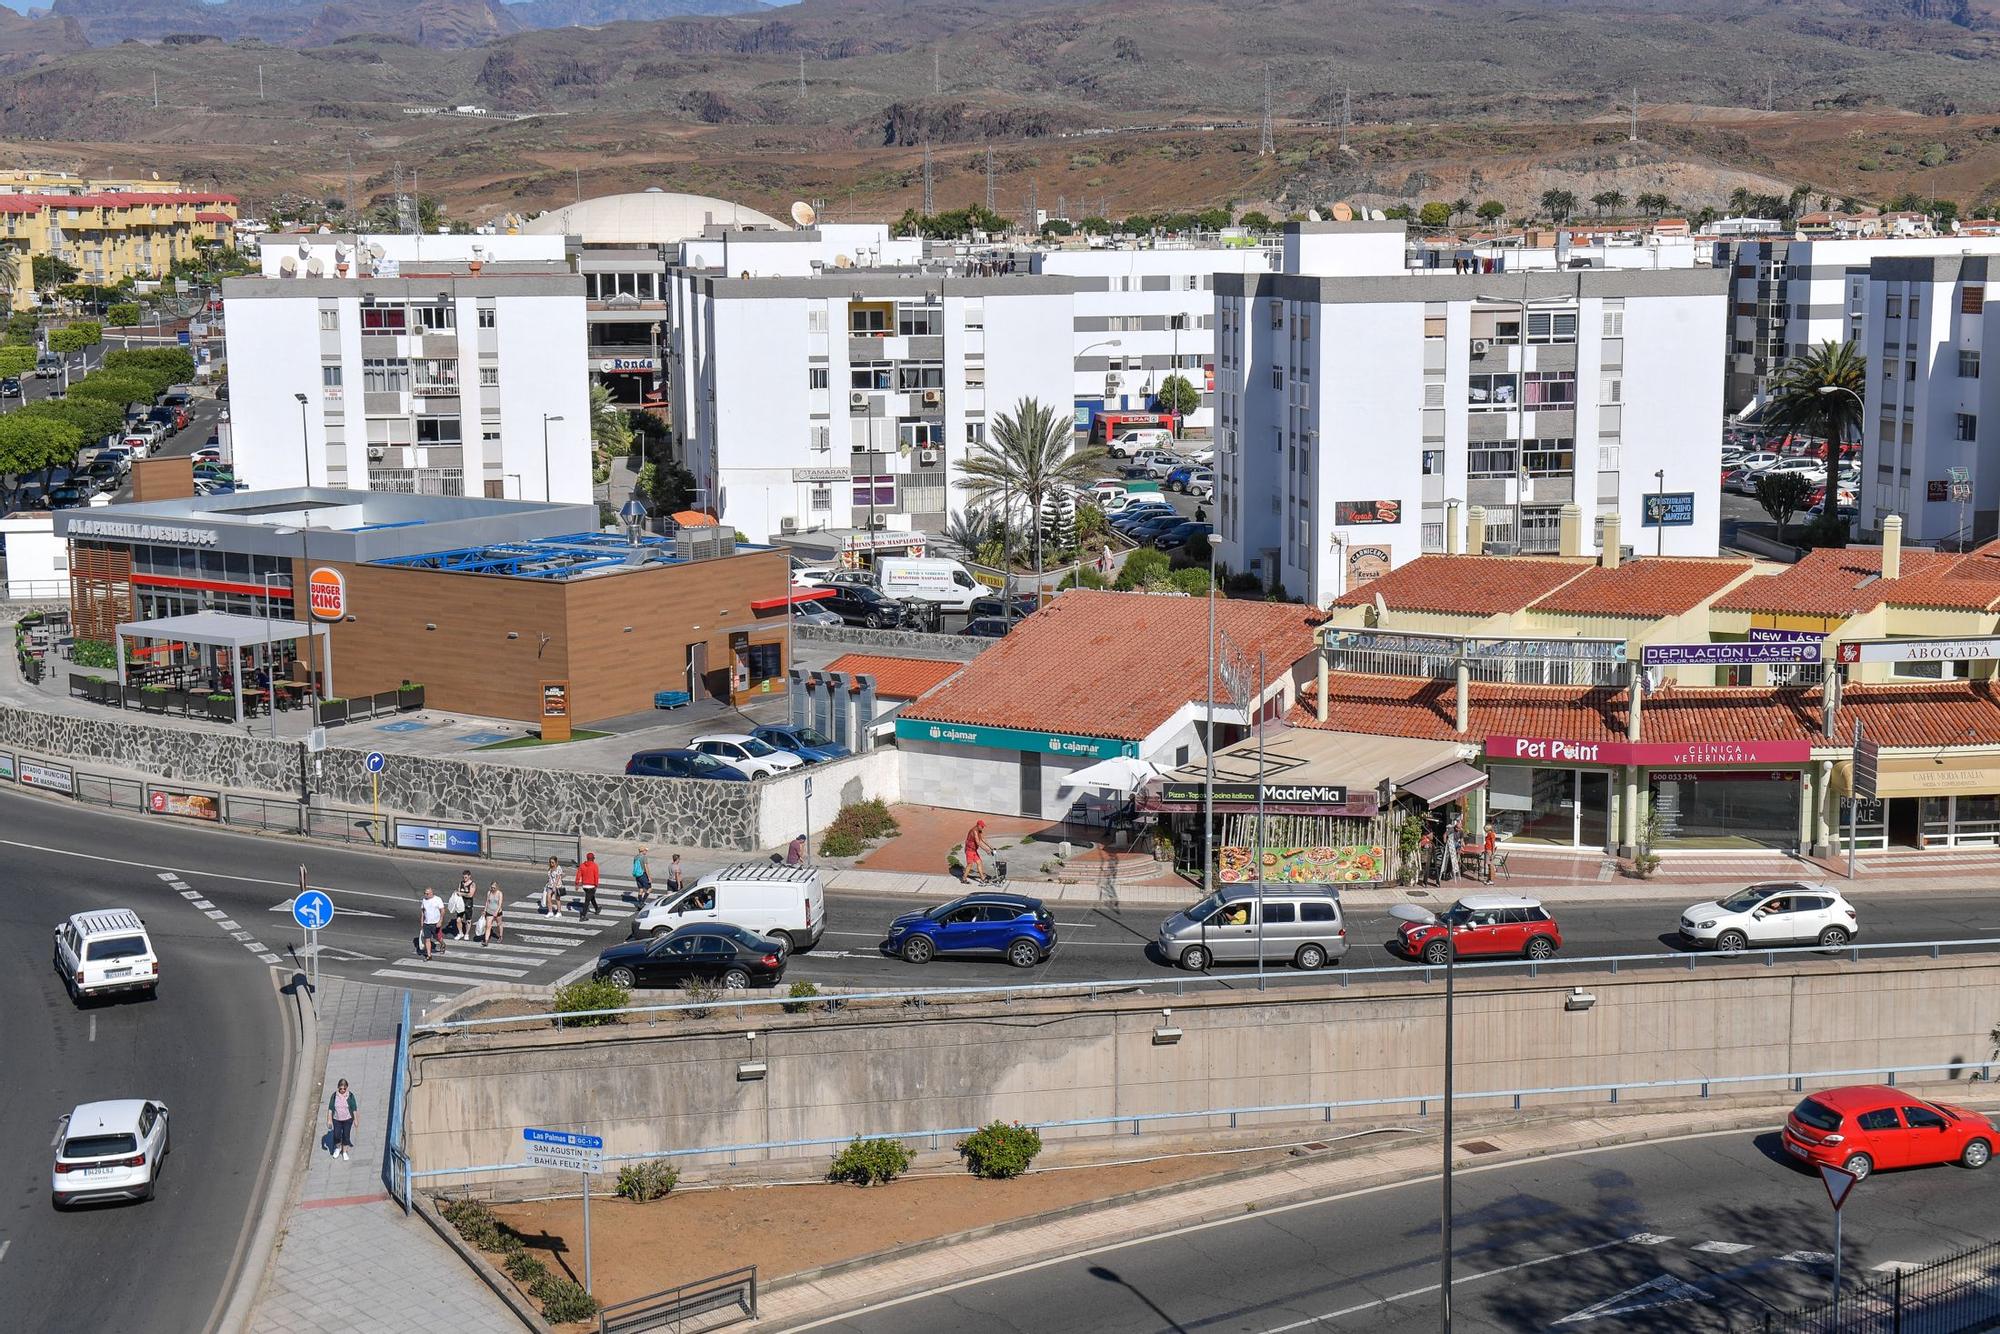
(1867, 772)
(1838, 1182)
(375, 761)
(312, 909)
(565, 1149)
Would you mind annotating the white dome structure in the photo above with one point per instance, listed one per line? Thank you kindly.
(648, 218)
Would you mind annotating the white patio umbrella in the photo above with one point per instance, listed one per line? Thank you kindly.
(1122, 774)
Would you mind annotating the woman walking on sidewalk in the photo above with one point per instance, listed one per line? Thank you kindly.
(552, 890)
(341, 1110)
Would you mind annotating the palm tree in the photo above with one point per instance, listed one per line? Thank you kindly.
(1558, 204)
(1459, 208)
(1739, 200)
(610, 428)
(1027, 457)
(13, 263)
(972, 528)
(1654, 205)
(1607, 199)
(1821, 393)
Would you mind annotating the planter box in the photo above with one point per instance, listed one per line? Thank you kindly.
(332, 711)
(153, 701)
(410, 700)
(134, 697)
(222, 710)
(386, 702)
(177, 700)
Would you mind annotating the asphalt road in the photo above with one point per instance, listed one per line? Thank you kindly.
(253, 881)
(212, 1047)
(1698, 1234)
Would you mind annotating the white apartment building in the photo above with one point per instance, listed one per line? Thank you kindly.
(1143, 314)
(1931, 405)
(813, 395)
(1354, 401)
(450, 365)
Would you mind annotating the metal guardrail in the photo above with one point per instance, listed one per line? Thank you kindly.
(122, 794)
(1181, 981)
(673, 1308)
(1959, 1292)
(531, 845)
(1795, 1081)
(278, 816)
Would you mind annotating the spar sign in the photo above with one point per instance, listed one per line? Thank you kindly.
(326, 592)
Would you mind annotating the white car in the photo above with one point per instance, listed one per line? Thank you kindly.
(1779, 912)
(1201, 488)
(109, 1151)
(747, 753)
(103, 951)
(811, 613)
(1813, 468)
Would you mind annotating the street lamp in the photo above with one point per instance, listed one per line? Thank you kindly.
(305, 439)
(1660, 516)
(1092, 347)
(547, 417)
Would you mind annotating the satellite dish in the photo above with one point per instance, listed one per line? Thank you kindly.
(1377, 215)
(288, 267)
(842, 262)
(305, 248)
(1343, 213)
(1312, 215)
(375, 250)
(804, 214)
(315, 267)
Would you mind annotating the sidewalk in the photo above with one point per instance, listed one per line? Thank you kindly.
(349, 1259)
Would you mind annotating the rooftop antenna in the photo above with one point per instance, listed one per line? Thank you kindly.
(927, 178)
(578, 169)
(989, 178)
(1265, 144)
(260, 83)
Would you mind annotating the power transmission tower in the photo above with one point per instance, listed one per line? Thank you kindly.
(989, 178)
(1265, 142)
(937, 75)
(802, 76)
(927, 178)
(1770, 90)
(1034, 212)
(260, 83)
(1062, 207)
(156, 92)
(1635, 116)
(353, 209)
(1346, 115)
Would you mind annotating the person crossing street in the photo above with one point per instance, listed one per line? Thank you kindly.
(586, 883)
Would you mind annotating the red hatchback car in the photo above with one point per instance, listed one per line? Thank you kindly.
(1483, 925)
(1868, 1126)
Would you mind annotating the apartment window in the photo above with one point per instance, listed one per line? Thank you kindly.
(383, 319)
(438, 431)
(975, 433)
(822, 496)
(1277, 377)
(1490, 391)
(1489, 462)
(913, 375)
(1968, 427)
(1305, 327)
(822, 437)
(868, 320)
(1968, 365)
(919, 321)
(975, 377)
(329, 377)
(329, 319)
(1277, 314)
(1611, 389)
(1551, 389)
(486, 316)
(1888, 370)
(1910, 369)
(489, 377)
(1434, 394)
(974, 315)
(816, 377)
(875, 491)
(1549, 458)
(1541, 528)
(919, 434)
(1434, 326)
(1507, 331)
(816, 321)
(1434, 463)
(870, 375)
(1892, 306)
(1549, 326)
(385, 375)
(434, 317)
(1914, 299)
(437, 373)
(1972, 301)
(1614, 324)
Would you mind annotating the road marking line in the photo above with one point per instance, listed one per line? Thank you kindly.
(432, 968)
(1807, 1258)
(3, 1247)
(1723, 1247)
(431, 978)
(200, 902)
(1666, 1290)
(93, 1028)
(1891, 1266)
(215, 914)
(267, 958)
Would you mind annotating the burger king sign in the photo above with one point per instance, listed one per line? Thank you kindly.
(326, 591)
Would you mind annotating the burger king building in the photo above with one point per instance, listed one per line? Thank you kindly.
(483, 602)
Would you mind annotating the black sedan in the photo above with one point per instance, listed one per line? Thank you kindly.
(860, 605)
(1024, 605)
(716, 952)
(10, 387)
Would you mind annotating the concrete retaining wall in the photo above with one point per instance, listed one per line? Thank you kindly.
(675, 1085)
(962, 647)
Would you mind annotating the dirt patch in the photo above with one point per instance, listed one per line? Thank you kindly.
(638, 1249)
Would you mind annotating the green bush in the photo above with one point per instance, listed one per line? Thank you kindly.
(1000, 1150)
(524, 1268)
(800, 989)
(1083, 576)
(870, 1162)
(93, 653)
(1141, 567)
(1193, 581)
(873, 818)
(475, 1222)
(590, 993)
(644, 1182)
(563, 1300)
(857, 824)
(839, 843)
(699, 994)
(123, 314)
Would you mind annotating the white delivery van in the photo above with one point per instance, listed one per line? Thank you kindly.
(782, 902)
(1140, 437)
(928, 579)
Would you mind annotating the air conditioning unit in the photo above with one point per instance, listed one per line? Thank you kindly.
(928, 457)
(933, 397)
(878, 521)
(788, 525)
(377, 453)
(1479, 346)
(857, 400)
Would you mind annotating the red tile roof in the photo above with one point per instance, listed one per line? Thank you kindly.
(1832, 582)
(212, 215)
(1644, 589)
(1106, 664)
(1950, 713)
(1466, 585)
(897, 678)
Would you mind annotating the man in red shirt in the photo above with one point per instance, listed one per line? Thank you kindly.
(586, 880)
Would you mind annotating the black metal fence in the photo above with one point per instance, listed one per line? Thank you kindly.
(708, 1303)
(1960, 1292)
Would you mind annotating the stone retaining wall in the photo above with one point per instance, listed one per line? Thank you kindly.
(963, 647)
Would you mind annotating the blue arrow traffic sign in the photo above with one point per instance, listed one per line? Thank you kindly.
(375, 761)
(312, 909)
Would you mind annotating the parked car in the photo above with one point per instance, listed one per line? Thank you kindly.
(1014, 926)
(1203, 486)
(208, 453)
(808, 744)
(1163, 464)
(109, 1151)
(48, 366)
(812, 613)
(105, 472)
(988, 627)
(742, 751)
(119, 457)
(1864, 1127)
(1144, 533)
(857, 604)
(1177, 480)
(716, 952)
(105, 951)
(1779, 912)
(1481, 926)
(1302, 925)
(1181, 534)
(67, 496)
(10, 387)
(995, 605)
(682, 764)
(785, 903)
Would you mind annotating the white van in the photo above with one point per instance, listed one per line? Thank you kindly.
(1141, 437)
(928, 579)
(783, 902)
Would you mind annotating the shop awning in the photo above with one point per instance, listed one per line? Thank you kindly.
(1299, 759)
(1441, 785)
(797, 596)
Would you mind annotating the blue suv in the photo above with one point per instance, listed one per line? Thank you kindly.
(1014, 926)
(809, 745)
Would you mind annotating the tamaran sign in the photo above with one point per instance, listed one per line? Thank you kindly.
(1061, 745)
(1651, 754)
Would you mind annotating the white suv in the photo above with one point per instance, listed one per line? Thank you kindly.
(109, 1151)
(104, 951)
(1783, 912)
(747, 753)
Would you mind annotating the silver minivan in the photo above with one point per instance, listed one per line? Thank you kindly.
(1302, 925)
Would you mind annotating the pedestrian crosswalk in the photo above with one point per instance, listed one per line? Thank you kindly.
(533, 950)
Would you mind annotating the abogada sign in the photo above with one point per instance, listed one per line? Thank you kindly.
(1920, 650)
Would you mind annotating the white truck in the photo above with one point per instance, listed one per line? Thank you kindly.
(928, 579)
